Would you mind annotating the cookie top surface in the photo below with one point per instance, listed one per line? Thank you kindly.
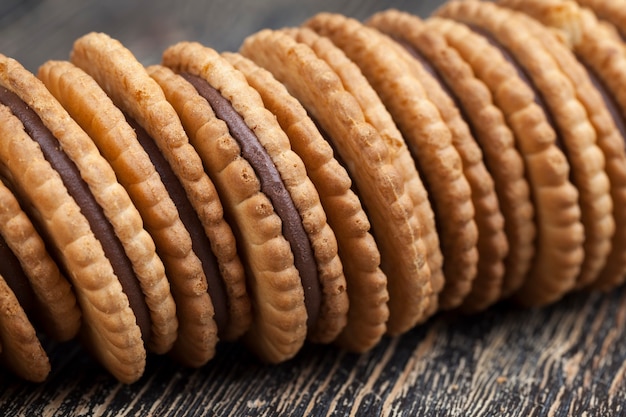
(368, 160)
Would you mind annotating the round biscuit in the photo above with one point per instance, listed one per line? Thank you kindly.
(334, 304)
(366, 283)
(126, 81)
(429, 139)
(368, 160)
(605, 59)
(221, 75)
(561, 234)
(378, 117)
(526, 120)
(487, 130)
(94, 111)
(138, 245)
(109, 326)
(497, 141)
(583, 147)
(278, 328)
(112, 197)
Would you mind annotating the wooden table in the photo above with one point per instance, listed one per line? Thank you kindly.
(567, 359)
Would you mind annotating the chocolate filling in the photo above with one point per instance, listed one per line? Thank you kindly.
(273, 187)
(12, 272)
(199, 241)
(79, 190)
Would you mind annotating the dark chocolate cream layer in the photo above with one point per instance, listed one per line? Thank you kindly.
(93, 212)
(273, 187)
(200, 243)
(13, 274)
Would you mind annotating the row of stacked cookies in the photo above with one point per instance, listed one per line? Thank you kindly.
(335, 182)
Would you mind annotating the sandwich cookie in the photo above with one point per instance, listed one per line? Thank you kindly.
(142, 100)
(572, 103)
(571, 150)
(378, 117)
(525, 118)
(369, 160)
(179, 238)
(504, 258)
(366, 283)
(262, 175)
(428, 138)
(602, 79)
(71, 194)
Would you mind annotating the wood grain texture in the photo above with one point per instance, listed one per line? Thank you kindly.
(564, 360)
(567, 359)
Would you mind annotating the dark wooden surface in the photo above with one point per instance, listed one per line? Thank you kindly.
(566, 359)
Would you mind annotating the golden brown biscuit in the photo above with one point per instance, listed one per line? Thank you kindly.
(281, 334)
(112, 327)
(428, 137)
(585, 154)
(130, 87)
(500, 156)
(282, 179)
(376, 114)
(187, 260)
(21, 350)
(604, 59)
(558, 260)
(136, 244)
(498, 141)
(370, 163)
(366, 283)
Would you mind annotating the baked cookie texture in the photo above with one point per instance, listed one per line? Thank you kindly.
(336, 182)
